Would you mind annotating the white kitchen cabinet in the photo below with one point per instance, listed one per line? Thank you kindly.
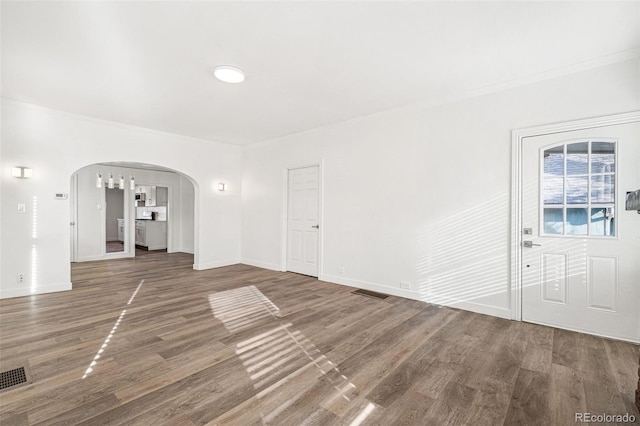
(151, 196)
(147, 196)
(151, 234)
(162, 196)
(140, 233)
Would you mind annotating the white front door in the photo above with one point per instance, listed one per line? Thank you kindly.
(581, 249)
(303, 221)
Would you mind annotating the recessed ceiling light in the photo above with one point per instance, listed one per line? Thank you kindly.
(228, 74)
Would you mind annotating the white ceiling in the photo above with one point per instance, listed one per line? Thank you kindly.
(308, 64)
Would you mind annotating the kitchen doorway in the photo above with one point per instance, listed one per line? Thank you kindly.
(151, 216)
(109, 223)
(114, 224)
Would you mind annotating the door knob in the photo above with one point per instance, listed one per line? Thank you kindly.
(529, 244)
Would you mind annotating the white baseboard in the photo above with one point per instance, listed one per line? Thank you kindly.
(40, 289)
(180, 250)
(478, 308)
(264, 265)
(109, 256)
(415, 295)
(216, 264)
(409, 294)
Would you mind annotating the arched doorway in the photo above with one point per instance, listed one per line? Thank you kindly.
(117, 207)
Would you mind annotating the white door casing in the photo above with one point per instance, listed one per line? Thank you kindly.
(303, 220)
(585, 273)
(73, 206)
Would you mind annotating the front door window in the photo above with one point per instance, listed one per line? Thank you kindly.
(578, 189)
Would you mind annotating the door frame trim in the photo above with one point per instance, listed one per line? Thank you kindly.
(517, 139)
(73, 207)
(284, 216)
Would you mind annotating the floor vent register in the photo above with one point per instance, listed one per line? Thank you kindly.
(371, 294)
(12, 378)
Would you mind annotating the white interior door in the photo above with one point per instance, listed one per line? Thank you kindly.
(303, 221)
(581, 249)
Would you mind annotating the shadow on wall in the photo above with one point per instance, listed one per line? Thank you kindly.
(465, 257)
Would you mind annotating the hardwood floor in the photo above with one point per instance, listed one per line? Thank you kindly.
(114, 246)
(149, 340)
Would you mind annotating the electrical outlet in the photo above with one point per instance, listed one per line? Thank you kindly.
(405, 285)
(341, 269)
(20, 277)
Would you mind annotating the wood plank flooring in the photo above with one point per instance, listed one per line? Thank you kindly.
(151, 341)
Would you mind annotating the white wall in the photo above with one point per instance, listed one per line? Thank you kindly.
(421, 194)
(57, 144)
(185, 236)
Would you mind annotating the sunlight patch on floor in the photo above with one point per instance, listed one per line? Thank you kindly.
(93, 363)
(273, 358)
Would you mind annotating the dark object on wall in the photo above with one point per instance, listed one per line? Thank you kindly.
(633, 200)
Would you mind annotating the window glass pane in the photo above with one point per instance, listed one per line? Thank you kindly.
(576, 221)
(577, 189)
(603, 189)
(598, 221)
(602, 221)
(577, 158)
(552, 190)
(554, 161)
(612, 227)
(602, 157)
(553, 221)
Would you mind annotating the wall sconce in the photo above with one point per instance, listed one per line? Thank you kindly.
(22, 172)
(98, 180)
(222, 186)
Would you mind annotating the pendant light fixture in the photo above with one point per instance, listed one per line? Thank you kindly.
(121, 183)
(98, 180)
(110, 183)
(132, 184)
